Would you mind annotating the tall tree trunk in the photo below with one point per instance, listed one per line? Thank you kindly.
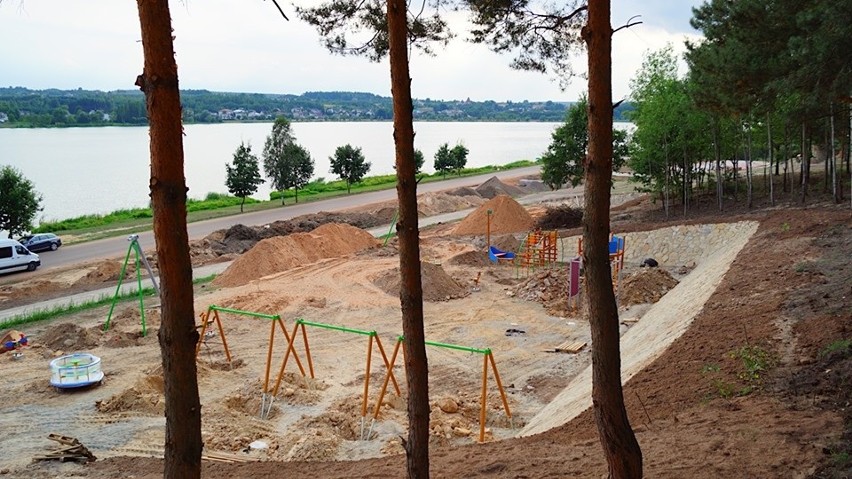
(666, 184)
(806, 163)
(769, 154)
(834, 190)
(718, 154)
(178, 337)
(686, 183)
(411, 290)
(621, 449)
(749, 170)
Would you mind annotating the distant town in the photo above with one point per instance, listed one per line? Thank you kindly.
(24, 108)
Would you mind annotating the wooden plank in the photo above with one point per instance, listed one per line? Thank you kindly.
(570, 347)
(67, 440)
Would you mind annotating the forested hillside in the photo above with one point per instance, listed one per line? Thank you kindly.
(22, 107)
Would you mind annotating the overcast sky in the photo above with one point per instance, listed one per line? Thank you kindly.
(245, 46)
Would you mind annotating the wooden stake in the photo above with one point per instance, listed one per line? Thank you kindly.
(269, 356)
(203, 331)
(307, 350)
(499, 384)
(367, 377)
(388, 375)
(388, 365)
(222, 333)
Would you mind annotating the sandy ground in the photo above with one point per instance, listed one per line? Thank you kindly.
(674, 397)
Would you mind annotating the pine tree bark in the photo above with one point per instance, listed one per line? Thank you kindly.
(623, 456)
(411, 289)
(177, 335)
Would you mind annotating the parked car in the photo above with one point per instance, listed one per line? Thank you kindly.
(41, 242)
(14, 256)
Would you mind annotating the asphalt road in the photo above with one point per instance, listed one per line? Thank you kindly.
(118, 246)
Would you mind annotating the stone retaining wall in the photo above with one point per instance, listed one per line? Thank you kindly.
(673, 246)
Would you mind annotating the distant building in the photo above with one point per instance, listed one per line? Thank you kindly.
(3, 117)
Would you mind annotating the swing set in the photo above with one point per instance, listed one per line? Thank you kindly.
(212, 316)
(373, 338)
(487, 358)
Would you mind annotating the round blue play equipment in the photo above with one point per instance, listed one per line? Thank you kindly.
(75, 371)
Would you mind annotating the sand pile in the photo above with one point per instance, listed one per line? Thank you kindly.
(437, 284)
(507, 216)
(146, 396)
(69, 337)
(494, 187)
(647, 285)
(280, 253)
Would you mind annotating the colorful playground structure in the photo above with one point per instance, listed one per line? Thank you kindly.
(75, 371)
(211, 317)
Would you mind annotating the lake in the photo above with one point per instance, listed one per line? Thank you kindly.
(97, 170)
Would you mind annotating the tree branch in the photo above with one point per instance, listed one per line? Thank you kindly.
(279, 9)
(628, 24)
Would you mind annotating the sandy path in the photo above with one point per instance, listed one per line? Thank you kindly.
(650, 337)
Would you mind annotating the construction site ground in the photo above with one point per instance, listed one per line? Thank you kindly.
(778, 296)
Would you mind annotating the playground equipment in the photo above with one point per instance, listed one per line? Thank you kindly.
(266, 399)
(75, 371)
(372, 337)
(616, 248)
(140, 258)
(538, 249)
(13, 341)
(496, 255)
(487, 357)
(574, 282)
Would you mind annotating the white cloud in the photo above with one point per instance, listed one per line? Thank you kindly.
(227, 45)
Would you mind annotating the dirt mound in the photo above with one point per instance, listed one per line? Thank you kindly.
(548, 287)
(647, 285)
(224, 244)
(69, 337)
(280, 253)
(507, 216)
(494, 187)
(146, 396)
(462, 191)
(470, 258)
(561, 217)
(506, 243)
(430, 204)
(437, 284)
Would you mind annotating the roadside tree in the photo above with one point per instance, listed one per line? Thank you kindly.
(348, 164)
(444, 160)
(419, 161)
(244, 174)
(19, 202)
(286, 164)
(459, 157)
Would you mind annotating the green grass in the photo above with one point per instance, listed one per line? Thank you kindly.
(844, 345)
(94, 227)
(72, 308)
(212, 201)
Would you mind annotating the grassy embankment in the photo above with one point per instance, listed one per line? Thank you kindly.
(71, 308)
(216, 205)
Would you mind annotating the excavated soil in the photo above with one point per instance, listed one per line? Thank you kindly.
(646, 285)
(280, 253)
(437, 284)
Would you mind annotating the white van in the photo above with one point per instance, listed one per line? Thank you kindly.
(16, 257)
